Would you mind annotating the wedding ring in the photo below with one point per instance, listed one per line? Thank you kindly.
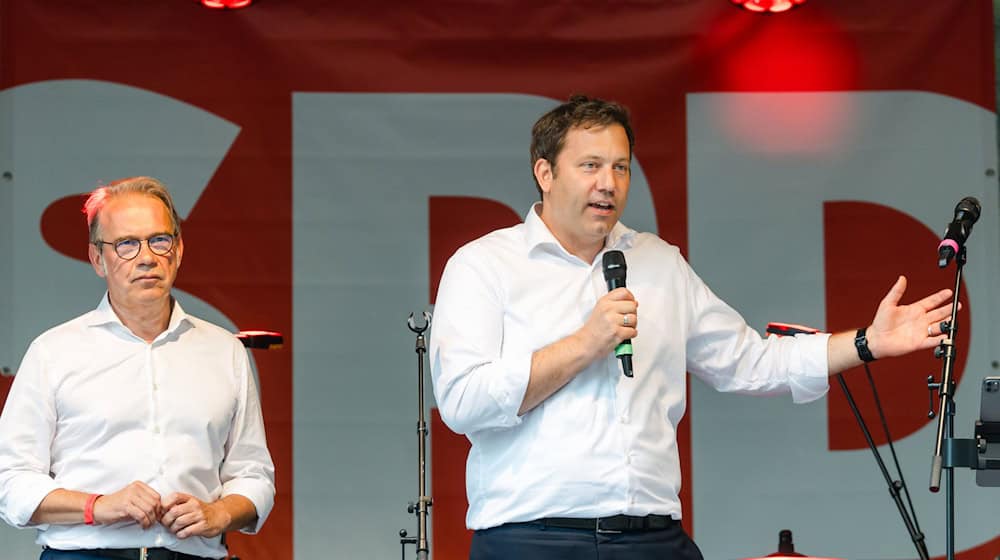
(929, 333)
(625, 320)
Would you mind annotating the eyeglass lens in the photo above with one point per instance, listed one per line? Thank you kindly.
(158, 244)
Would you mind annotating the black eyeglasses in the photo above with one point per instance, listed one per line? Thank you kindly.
(128, 249)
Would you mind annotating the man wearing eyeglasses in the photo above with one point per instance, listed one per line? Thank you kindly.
(135, 430)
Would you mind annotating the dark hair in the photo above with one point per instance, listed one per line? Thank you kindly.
(549, 133)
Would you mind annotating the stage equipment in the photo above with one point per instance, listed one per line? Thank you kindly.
(261, 340)
(422, 506)
(988, 434)
(958, 231)
(786, 549)
(220, 4)
(948, 451)
(614, 275)
(768, 6)
(256, 340)
(897, 488)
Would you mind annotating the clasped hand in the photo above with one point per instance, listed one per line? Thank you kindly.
(182, 514)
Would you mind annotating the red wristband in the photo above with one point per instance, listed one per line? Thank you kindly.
(88, 510)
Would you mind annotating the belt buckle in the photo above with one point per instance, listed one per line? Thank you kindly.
(597, 528)
(143, 553)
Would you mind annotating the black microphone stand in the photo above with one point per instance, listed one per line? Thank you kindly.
(256, 340)
(909, 516)
(897, 488)
(422, 506)
(947, 451)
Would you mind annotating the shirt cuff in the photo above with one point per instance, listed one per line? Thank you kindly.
(24, 497)
(261, 494)
(508, 390)
(811, 377)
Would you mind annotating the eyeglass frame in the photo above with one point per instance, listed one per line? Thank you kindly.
(100, 243)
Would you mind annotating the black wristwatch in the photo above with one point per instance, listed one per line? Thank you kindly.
(861, 343)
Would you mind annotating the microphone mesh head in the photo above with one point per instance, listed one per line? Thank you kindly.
(614, 265)
(969, 205)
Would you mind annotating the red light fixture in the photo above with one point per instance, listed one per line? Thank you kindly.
(231, 4)
(768, 6)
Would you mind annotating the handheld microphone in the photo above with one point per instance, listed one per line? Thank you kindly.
(614, 275)
(966, 213)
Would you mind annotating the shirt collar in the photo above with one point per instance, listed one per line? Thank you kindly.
(105, 315)
(539, 237)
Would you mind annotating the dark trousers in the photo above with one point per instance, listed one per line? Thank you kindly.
(98, 554)
(532, 541)
(49, 554)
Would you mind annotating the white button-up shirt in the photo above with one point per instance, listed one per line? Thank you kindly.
(94, 407)
(604, 444)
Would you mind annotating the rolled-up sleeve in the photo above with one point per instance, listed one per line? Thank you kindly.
(732, 357)
(27, 425)
(476, 384)
(247, 469)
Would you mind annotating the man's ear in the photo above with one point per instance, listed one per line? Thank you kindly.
(544, 174)
(179, 251)
(97, 260)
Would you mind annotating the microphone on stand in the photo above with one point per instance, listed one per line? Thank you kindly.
(966, 214)
(614, 275)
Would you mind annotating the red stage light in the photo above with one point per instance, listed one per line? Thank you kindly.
(231, 4)
(771, 6)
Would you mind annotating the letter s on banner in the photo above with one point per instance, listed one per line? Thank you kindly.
(67, 148)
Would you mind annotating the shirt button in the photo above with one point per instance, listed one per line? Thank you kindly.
(623, 419)
(628, 460)
(156, 429)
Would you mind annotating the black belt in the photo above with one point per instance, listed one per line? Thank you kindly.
(133, 553)
(613, 524)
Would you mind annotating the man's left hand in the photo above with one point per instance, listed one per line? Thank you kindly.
(901, 329)
(187, 516)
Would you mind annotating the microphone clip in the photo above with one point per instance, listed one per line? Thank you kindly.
(946, 252)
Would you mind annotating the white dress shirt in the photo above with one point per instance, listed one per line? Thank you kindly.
(94, 407)
(604, 444)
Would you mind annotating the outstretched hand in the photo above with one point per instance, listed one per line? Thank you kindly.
(901, 329)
